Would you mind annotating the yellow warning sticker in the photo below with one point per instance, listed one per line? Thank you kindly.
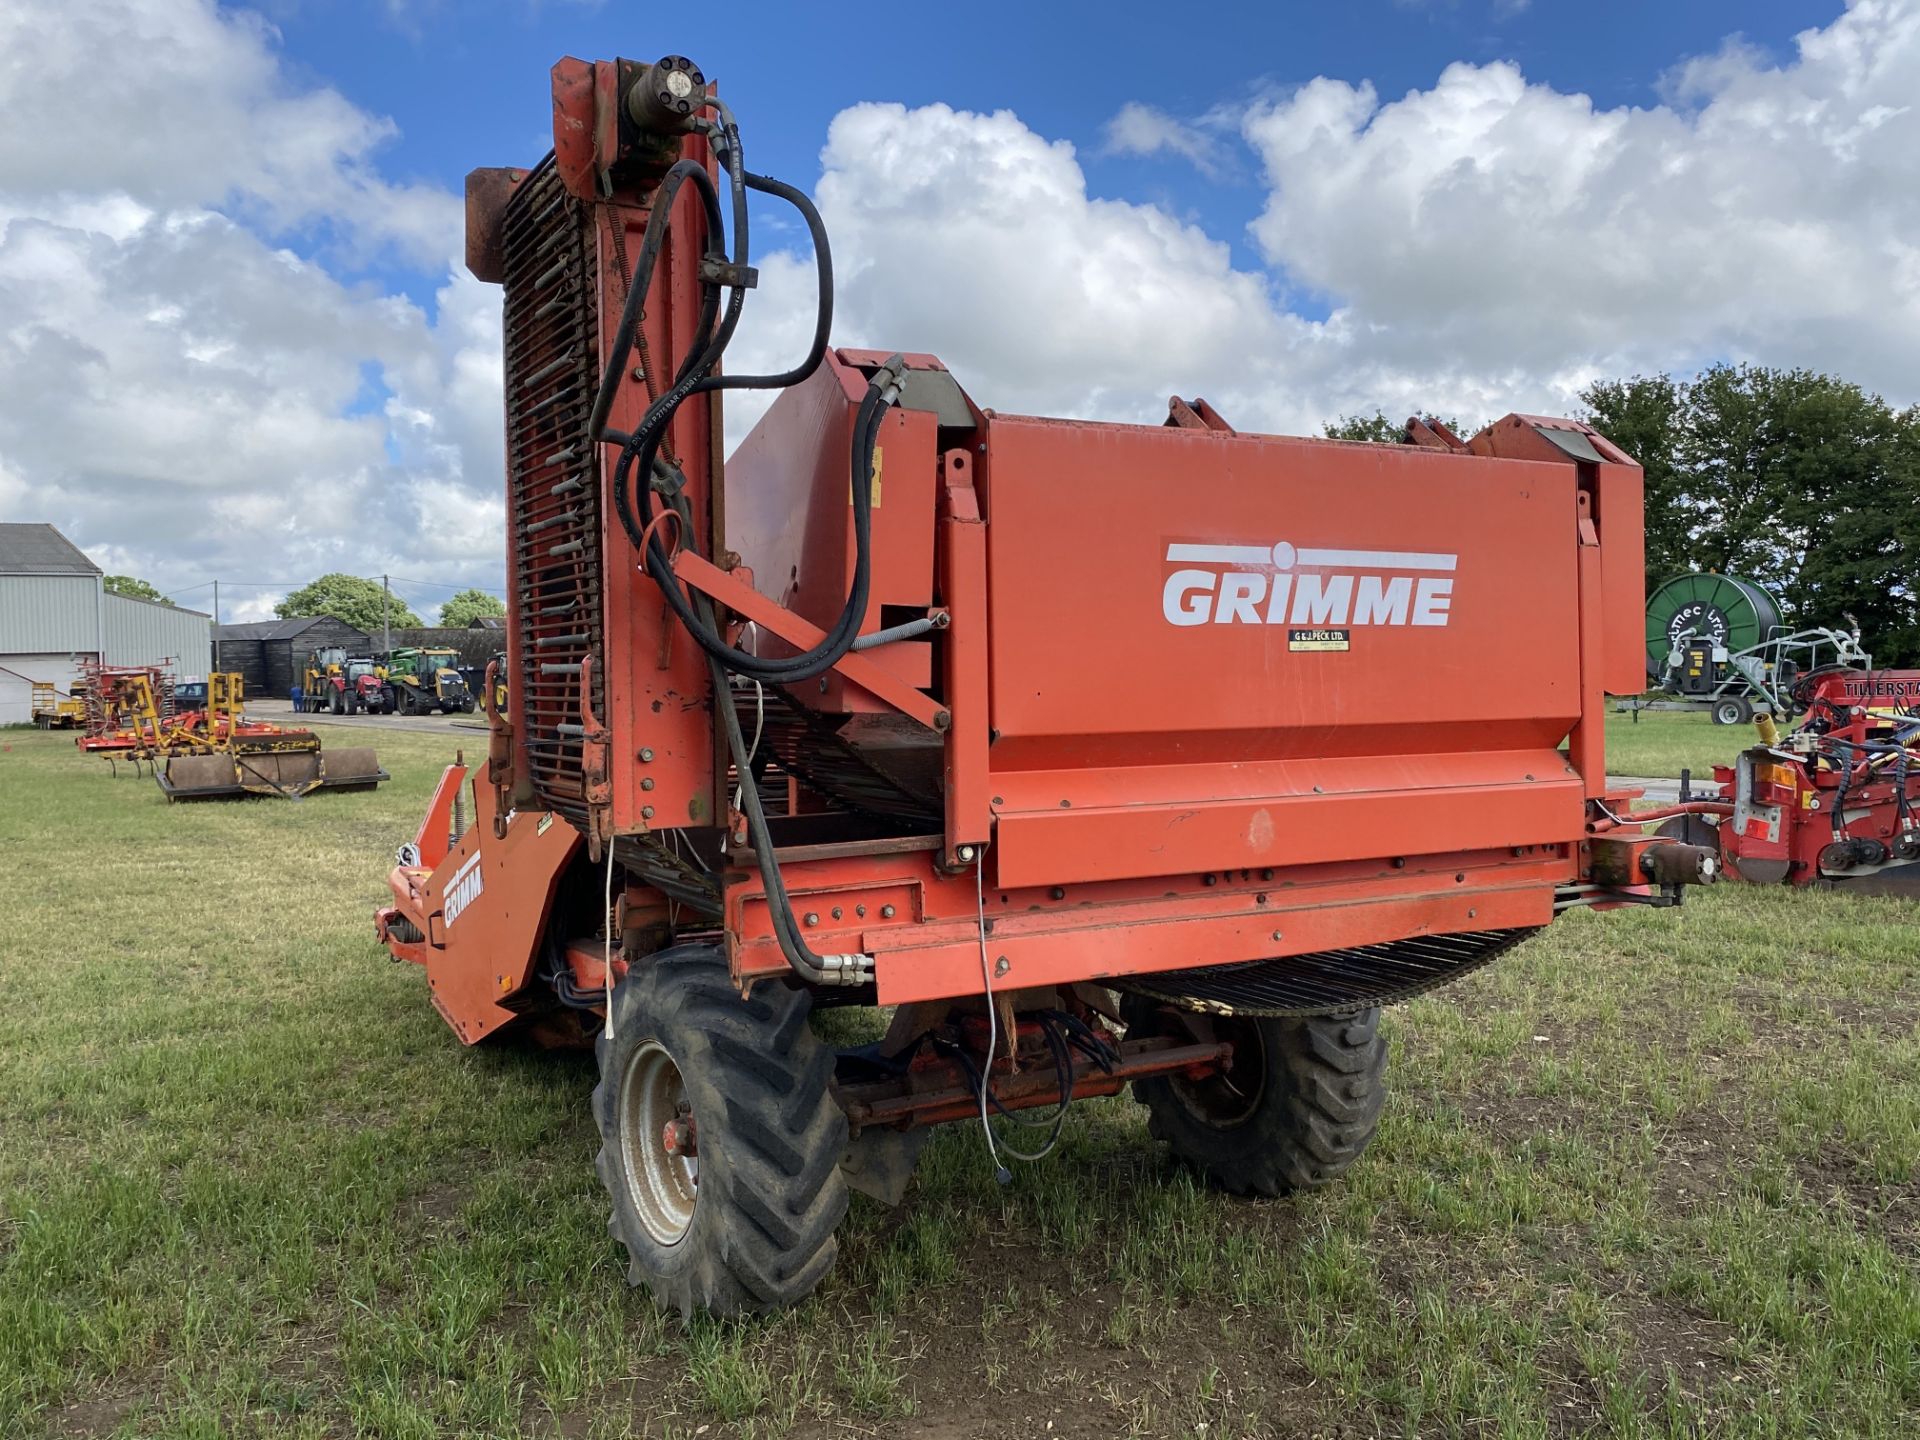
(876, 481)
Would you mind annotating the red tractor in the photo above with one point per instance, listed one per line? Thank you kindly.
(1074, 745)
(339, 684)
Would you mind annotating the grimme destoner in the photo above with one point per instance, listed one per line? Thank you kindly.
(1103, 755)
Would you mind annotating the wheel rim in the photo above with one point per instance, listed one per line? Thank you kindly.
(662, 1186)
(1729, 713)
(1228, 1098)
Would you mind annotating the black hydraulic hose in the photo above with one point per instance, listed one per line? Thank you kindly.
(640, 283)
(818, 969)
(823, 273)
(639, 451)
(839, 639)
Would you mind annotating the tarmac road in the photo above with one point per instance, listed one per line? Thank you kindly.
(281, 712)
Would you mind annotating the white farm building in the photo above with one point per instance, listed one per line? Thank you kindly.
(55, 610)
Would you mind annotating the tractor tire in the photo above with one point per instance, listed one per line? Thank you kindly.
(333, 703)
(1299, 1106)
(1732, 710)
(468, 706)
(744, 1225)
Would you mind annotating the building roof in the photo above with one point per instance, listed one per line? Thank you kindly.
(40, 550)
(157, 604)
(279, 629)
(487, 622)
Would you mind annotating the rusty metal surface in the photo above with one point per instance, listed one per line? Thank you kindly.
(945, 1092)
(488, 191)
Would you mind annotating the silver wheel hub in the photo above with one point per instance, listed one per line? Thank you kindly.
(659, 1157)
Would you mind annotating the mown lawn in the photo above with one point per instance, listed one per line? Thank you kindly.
(1653, 1174)
(1663, 742)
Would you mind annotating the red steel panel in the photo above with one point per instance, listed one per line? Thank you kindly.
(1110, 951)
(1064, 826)
(790, 517)
(656, 677)
(1454, 578)
(920, 922)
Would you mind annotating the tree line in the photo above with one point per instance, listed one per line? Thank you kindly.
(1804, 483)
(366, 605)
(362, 603)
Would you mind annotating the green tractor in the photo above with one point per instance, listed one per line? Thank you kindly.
(425, 680)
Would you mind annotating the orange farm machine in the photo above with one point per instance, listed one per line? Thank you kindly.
(1102, 755)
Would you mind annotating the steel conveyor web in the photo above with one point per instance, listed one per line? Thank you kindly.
(553, 491)
(1329, 981)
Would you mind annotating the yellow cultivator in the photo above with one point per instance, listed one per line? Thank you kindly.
(218, 753)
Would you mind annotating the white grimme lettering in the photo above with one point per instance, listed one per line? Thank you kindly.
(464, 888)
(1432, 599)
(1240, 595)
(1382, 602)
(1322, 599)
(1200, 597)
(1188, 597)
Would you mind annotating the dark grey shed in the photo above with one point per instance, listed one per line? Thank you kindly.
(272, 654)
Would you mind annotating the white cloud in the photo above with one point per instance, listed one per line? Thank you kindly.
(1480, 246)
(1488, 223)
(184, 394)
(178, 104)
(179, 384)
(1144, 130)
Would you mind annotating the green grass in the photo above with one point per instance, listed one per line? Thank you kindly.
(1663, 742)
(1653, 1174)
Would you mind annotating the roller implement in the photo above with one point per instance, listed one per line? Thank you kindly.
(218, 753)
(1076, 745)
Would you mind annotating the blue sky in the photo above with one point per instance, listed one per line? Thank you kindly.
(239, 340)
(466, 83)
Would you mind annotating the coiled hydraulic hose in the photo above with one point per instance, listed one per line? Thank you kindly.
(640, 450)
(640, 454)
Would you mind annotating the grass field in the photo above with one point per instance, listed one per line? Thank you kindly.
(1662, 742)
(1653, 1174)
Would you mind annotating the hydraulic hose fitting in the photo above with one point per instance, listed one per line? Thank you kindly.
(855, 969)
(890, 377)
(667, 97)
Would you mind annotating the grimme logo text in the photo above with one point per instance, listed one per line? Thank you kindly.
(464, 888)
(1282, 585)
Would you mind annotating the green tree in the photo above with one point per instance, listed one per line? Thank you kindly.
(469, 605)
(1802, 482)
(1642, 416)
(349, 598)
(1377, 429)
(133, 589)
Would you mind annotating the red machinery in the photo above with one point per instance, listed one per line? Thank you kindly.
(216, 752)
(116, 700)
(983, 717)
(1831, 804)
